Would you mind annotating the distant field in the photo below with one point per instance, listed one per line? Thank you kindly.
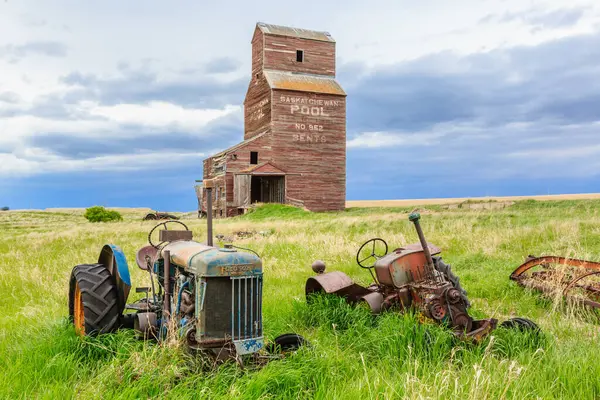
(415, 202)
(352, 355)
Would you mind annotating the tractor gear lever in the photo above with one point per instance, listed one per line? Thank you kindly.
(414, 218)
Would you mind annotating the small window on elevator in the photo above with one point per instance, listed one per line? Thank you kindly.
(300, 55)
(254, 157)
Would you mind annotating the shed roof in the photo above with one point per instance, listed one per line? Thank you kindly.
(237, 146)
(295, 32)
(303, 82)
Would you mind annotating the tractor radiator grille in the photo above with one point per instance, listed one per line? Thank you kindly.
(233, 306)
(246, 307)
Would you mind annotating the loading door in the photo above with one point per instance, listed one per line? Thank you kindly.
(267, 189)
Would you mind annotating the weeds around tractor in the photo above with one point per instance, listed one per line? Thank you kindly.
(362, 356)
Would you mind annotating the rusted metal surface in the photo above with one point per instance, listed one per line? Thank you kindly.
(167, 287)
(159, 215)
(433, 249)
(414, 218)
(329, 283)
(171, 236)
(304, 83)
(295, 120)
(408, 277)
(209, 224)
(567, 281)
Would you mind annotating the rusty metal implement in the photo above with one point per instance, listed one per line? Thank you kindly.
(410, 276)
(576, 280)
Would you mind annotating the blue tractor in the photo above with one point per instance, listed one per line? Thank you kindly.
(211, 296)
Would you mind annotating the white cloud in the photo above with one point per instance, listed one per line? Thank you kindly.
(162, 115)
(551, 155)
(37, 161)
(93, 121)
(391, 139)
(106, 123)
(390, 31)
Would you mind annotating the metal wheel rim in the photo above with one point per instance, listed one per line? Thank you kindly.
(78, 313)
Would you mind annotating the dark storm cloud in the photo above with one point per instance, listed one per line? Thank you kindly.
(135, 87)
(526, 114)
(557, 80)
(15, 53)
(487, 118)
(222, 65)
(227, 129)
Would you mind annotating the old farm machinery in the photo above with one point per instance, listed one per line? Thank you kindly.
(414, 277)
(211, 297)
(156, 215)
(578, 281)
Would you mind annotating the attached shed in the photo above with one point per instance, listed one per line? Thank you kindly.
(294, 148)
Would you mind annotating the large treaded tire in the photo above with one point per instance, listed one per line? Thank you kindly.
(99, 298)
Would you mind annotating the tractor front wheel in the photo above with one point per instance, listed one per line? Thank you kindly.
(93, 300)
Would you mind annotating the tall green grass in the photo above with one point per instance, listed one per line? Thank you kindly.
(352, 355)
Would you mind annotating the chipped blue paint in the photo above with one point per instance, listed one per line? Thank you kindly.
(248, 346)
(113, 258)
(122, 266)
(218, 262)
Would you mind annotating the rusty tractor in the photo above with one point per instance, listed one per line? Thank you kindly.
(414, 277)
(211, 297)
(157, 215)
(578, 281)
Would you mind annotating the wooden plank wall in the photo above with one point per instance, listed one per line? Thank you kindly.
(306, 131)
(280, 54)
(311, 141)
(257, 107)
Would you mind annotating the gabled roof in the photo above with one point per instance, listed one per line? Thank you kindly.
(294, 32)
(264, 168)
(303, 82)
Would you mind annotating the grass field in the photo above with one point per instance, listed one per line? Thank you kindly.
(353, 356)
(458, 200)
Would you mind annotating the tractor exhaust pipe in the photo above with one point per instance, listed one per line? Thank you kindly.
(414, 218)
(209, 184)
(167, 284)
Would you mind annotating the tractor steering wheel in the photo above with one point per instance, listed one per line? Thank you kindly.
(369, 250)
(156, 246)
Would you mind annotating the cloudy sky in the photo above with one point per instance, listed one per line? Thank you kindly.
(117, 103)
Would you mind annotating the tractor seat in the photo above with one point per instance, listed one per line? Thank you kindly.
(140, 257)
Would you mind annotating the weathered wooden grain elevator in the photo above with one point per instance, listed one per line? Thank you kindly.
(294, 148)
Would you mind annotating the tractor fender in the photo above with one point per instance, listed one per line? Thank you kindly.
(330, 282)
(374, 300)
(338, 283)
(113, 258)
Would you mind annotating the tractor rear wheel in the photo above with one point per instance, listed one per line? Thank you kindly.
(93, 300)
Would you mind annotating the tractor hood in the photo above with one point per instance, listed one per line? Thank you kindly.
(203, 260)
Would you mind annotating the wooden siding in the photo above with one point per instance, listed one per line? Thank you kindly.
(257, 107)
(257, 52)
(310, 140)
(280, 54)
(236, 160)
(300, 129)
